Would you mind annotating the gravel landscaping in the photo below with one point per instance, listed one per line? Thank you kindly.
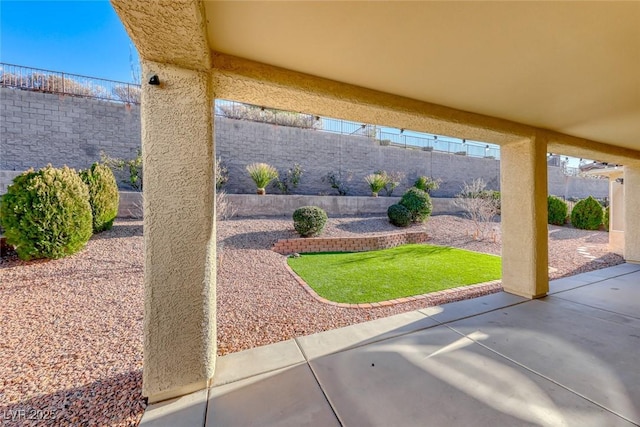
(72, 328)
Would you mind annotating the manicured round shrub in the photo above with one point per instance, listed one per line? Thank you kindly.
(556, 210)
(103, 195)
(587, 214)
(418, 203)
(605, 219)
(309, 220)
(399, 215)
(46, 214)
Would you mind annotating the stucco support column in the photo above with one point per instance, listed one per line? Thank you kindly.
(632, 213)
(179, 232)
(523, 186)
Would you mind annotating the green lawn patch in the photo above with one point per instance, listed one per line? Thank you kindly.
(362, 277)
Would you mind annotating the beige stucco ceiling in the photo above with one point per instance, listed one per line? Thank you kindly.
(572, 67)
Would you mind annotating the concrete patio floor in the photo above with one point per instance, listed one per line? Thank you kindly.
(570, 359)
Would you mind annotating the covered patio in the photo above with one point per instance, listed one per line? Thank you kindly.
(569, 359)
(557, 77)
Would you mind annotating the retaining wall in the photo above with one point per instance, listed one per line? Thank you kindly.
(279, 205)
(40, 128)
(348, 244)
(240, 143)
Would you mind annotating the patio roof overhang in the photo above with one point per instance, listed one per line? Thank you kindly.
(567, 67)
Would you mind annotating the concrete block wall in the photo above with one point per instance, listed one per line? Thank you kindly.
(240, 143)
(130, 205)
(561, 185)
(6, 178)
(40, 128)
(280, 205)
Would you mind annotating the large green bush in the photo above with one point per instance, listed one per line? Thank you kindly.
(309, 220)
(587, 214)
(418, 203)
(46, 214)
(605, 219)
(103, 195)
(399, 215)
(556, 210)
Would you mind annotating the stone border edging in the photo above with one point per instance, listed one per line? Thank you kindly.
(434, 298)
(348, 244)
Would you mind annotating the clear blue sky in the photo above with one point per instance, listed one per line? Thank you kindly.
(77, 37)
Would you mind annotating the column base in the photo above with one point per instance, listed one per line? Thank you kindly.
(519, 293)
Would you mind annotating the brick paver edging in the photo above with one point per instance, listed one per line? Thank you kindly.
(432, 298)
(348, 244)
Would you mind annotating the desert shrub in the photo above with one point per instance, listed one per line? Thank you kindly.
(496, 196)
(309, 220)
(418, 203)
(587, 214)
(427, 184)
(556, 210)
(290, 180)
(338, 181)
(393, 180)
(224, 208)
(479, 204)
(221, 173)
(269, 115)
(262, 174)
(399, 215)
(377, 182)
(133, 167)
(129, 93)
(103, 195)
(46, 214)
(605, 218)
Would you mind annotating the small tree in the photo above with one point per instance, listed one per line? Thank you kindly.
(132, 166)
(338, 181)
(290, 180)
(479, 205)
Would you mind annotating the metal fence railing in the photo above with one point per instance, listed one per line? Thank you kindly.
(383, 135)
(35, 79)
